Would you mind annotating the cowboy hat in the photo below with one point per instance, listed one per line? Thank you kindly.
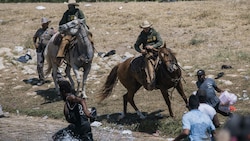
(72, 2)
(45, 20)
(145, 24)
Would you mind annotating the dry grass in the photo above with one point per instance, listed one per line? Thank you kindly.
(205, 34)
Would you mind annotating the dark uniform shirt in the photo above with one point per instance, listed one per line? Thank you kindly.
(43, 36)
(70, 15)
(37, 35)
(152, 38)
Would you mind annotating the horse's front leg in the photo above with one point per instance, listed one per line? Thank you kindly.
(180, 90)
(78, 78)
(67, 71)
(165, 95)
(84, 79)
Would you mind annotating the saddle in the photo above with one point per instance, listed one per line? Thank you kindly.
(58, 39)
(137, 64)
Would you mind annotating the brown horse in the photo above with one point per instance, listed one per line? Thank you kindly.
(168, 75)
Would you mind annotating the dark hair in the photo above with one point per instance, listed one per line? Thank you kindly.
(200, 72)
(202, 95)
(193, 102)
(64, 87)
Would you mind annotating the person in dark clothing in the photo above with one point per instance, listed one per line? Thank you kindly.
(209, 86)
(147, 43)
(71, 14)
(76, 112)
(149, 38)
(41, 39)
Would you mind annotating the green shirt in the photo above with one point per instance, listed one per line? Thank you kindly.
(70, 15)
(151, 38)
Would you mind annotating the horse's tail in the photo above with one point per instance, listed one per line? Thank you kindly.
(49, 63)
(109, 84)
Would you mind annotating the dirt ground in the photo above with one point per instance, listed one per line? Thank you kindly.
(204, 34)
(27, 128)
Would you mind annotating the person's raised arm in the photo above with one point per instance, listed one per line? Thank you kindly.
(159, 42)
(218, 89)
(75, 99)
(216, 121)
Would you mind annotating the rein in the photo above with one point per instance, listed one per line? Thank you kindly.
(176, 81)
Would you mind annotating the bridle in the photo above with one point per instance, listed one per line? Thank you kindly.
(175, 67)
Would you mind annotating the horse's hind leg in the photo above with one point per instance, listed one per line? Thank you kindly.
(54, 75)
(129, 97)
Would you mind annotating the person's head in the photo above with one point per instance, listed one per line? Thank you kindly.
(65, 88)
(45, 22)
(201, 95)
(193, 102)
(72, 5)
(201, 75)
(145, 25)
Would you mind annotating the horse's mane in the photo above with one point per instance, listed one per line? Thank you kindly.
(172, 52)
(169, 50)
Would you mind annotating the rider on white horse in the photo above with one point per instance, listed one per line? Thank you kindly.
(71, 14)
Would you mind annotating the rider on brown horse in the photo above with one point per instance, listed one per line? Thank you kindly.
(150, 40)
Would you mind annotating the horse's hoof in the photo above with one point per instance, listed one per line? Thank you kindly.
(172, 115)
(121, 116)
(142, 117)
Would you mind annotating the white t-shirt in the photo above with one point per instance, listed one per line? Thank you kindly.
(207, 109)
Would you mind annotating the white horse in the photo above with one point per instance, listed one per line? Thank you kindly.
(79, 55)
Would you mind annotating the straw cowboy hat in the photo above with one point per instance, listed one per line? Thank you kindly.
(45, 20)
(145, 24)
(72, 2)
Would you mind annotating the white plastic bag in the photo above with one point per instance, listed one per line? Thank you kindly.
(228, 98)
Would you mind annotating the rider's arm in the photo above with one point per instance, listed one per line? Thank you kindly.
(35, 37)
(159, 42)
(64, 19)
(80, 14)
(137, 44)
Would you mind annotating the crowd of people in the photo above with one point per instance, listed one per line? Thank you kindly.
(199, 124)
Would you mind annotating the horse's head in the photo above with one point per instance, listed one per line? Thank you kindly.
(71, 27)
(168, 58)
